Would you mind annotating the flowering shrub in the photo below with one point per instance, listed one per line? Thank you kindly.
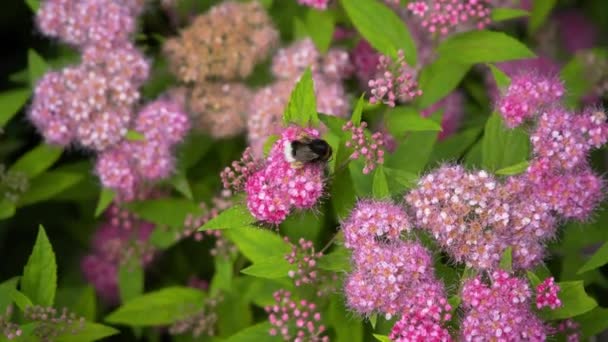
(301, 170)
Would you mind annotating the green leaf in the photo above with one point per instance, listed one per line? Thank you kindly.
(593, 322)
(163, 237)
(502, 147)
(34, 5)
(133, 135)
(501, 79)
(39, 280)
(7, 209)
(90, 332)
(343, 196)
(575, 301)
(381, 27)
(513, 169)
(269, 143)
(320, 27)
(37, 160)
(380, 187)
(302, 106)
(358, 112)
(373, 320)
(574, 75)
(130, 280)
(337, 260)
(106, 196)
(271, 268)
(334, 123)
(599, 259)
(181, 184)
(5, 292)
(47, 185)
(233, 217)
(506, 260)
(454, 146)
(406, 119)
(21, 300)
(382, 338)
(413, 154)
(167, 211)
(399, 180)
(440, 78)
(502, 14)
(234, 314)
(81, 300)
(258, 244)
(223, 275)
(254, 333)
(539, 13)
(10, 103)
(347, 327)
(161, 307)
(480, 46)
(534, 279)
(36, 66)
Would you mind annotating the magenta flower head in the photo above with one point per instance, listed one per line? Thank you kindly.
(396, 81)
(500, 311)
(365, 60)
(546, 294)
(283, 183)
(447, 16)
(424, 325)
(81, 23)
(527, 96)
(373, 221)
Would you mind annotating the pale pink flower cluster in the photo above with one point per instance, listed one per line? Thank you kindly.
(104, 23)
(474, 217)
(371, 150)
(448, 16)
(120, 237)
(318, 4)
(546, 294)
(390, 276)
(280, 186)
(268, 104)
(527, 96)
(295, 320)
(123, 168)
(396, 81)
(90, 104)
(499, 311)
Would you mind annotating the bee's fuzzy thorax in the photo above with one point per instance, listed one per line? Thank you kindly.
(288, 153)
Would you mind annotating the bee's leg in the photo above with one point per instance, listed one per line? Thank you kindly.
(297, 165)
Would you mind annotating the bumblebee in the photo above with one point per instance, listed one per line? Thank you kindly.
(307, 150)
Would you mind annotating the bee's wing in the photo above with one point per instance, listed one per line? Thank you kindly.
(304, 154)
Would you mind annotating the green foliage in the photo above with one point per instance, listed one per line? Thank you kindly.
(502, 14)
(161, 307)
(106, 196)
(48, 185)
(39, 279)
(513, 169)
(599, 259)
(133, 135)
(320, 27)
(38, 160)
(130, 279)
(236, 216)
(575, 301)
(258, 244)
(167, 211)
(408, 119)
(90, 332)
(381, 27)
(502, 147)
(439, 78)
(337, 260)
(37, 66)
(302, 106)
(506, 261)
(272, 267)
(10, 103)
(380, 187)
(539, 14)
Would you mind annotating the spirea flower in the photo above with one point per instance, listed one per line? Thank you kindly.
(304, 257)
(499, 311)
(90, 104)
(219, 109)
(163, 123)
(371, 221)
(365, 60)
(546, 294)
(121, 237)
(10, 330)
(81, 23)
(241, 37)
(446, 16)
(527, 96)
(318, 4)
(51, 323)
(396, 81)
(292, 61)
(474, 217)
(424, 325)
(371, 150)
(280, 186)
(392, 279)
(453, 111)
(234, 177)
(295, 320)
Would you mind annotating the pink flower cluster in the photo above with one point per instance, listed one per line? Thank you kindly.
(295, 320)
(424, 325)
(396, 81)
(90, 104)
(268, 104)
(234, 177)
(121, 237)
(546, 294)
(304, 257)
(103, 23)
(447, 16)
(499, 311)
(370, 150)
(280, 186)
(570, 328)
(123, 168)
(527, 96)
(318, 4)
(390, 276)
(474, 217)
